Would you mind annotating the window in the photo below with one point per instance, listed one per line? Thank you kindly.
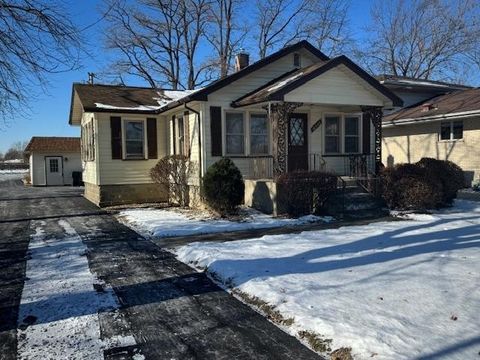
(235, 137)
(296, 59)
(451, 130)
(54, 165)
(87, 142)
(179, 136)
(352, 134)
(258, 134)
(134, 139)
(332, 134)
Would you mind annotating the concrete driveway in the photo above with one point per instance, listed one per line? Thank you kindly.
(170, 310)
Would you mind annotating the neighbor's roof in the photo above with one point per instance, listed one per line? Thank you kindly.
(410, 83)
(277, 88)
(51, 143)
(462, 102)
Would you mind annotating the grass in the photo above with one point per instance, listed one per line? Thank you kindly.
(316, 341)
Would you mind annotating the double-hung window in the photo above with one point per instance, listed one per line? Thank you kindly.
(332, 134)
(134, 139)
(179, 136)
(451, 130)
(234, 133)
(258, 134)
(352, 134)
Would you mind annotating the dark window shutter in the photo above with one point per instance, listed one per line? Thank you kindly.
(186, 133)
(216, 130)
(366, 135)
(152, 138)
(116, 134)
(174, 135)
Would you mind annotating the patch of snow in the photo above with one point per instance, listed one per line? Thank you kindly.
(161, 223)
(284, 82)
(390, 290)
(133, 108)
(58, 315)
(16, 174)
(13, 161)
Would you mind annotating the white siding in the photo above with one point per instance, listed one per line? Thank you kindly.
(113, 172)
(71, 163)
(337, 86)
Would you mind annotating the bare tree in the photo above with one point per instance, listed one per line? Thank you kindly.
(157, 40)
(16, 151)
(225, 34)
(423, 38)
(36, 39)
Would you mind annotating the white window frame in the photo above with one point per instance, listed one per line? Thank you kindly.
(341, 130)
(224, 135)
(249, 135)
(451, 122)
(124, 139)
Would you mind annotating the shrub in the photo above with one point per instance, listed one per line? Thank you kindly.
(408, 186)
(449, 174)
(173, 171)
(305, 192)
(223, 188)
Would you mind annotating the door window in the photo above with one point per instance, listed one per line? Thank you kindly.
(54, 165)
(297, 132)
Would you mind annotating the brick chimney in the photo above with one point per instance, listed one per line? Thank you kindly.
(241, 60)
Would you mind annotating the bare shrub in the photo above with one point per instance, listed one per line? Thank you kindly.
(305, 192)
(174, 172)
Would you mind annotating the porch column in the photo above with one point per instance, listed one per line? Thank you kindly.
(278, 114)
(375, 114)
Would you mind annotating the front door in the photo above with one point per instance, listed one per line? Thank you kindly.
(54, 170)
(297, 142)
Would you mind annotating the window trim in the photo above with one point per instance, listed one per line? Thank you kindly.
(451, 139)
(225, 135)
(249, 135)
(341, 130)
(179, 136)
(124, 139)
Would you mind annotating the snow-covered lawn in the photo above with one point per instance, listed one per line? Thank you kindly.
(390, 290)
(12, 174)
(161, 223)
(58, 316)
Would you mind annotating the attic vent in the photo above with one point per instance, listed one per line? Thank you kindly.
(427, 107)
(296, 60)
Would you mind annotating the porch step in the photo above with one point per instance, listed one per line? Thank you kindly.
(355, 203)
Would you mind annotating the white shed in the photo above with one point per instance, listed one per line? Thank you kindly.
(54, 160)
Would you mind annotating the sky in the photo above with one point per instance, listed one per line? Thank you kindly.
(49, 112)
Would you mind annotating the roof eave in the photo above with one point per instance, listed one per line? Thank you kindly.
(409, 121)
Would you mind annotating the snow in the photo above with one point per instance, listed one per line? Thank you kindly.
(389, 290)
(164, 98)
(12, 174)
(59, 292)
(284, 82)
(161, 223)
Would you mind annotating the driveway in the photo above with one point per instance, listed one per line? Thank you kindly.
(170, 310)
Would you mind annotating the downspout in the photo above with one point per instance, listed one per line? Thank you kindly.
(199, 141)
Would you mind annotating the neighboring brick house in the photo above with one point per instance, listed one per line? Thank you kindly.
(445, 127)
(53, 160)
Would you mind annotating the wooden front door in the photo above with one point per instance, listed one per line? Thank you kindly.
(297, 142)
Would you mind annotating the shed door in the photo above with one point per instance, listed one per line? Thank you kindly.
(297, 142)
(54, 170)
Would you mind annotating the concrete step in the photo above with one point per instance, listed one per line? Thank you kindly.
(355, 204)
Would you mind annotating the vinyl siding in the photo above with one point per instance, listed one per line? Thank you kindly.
(37, 166)
(337, 86)
(409, 143)
(116, 172)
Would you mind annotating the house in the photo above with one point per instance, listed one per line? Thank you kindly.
(54, 160)
(295, 109)
(444, 127)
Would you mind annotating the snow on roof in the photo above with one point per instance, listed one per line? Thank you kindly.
(164, 98)
(284, 82)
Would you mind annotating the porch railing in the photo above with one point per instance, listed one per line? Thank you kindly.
(359, 165)
(260, 167)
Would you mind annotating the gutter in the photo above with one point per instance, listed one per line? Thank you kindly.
(409, 121)
(200, 172)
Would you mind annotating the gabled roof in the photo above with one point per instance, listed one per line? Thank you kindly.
(276, 90)
(53, 143)
(457, 103)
